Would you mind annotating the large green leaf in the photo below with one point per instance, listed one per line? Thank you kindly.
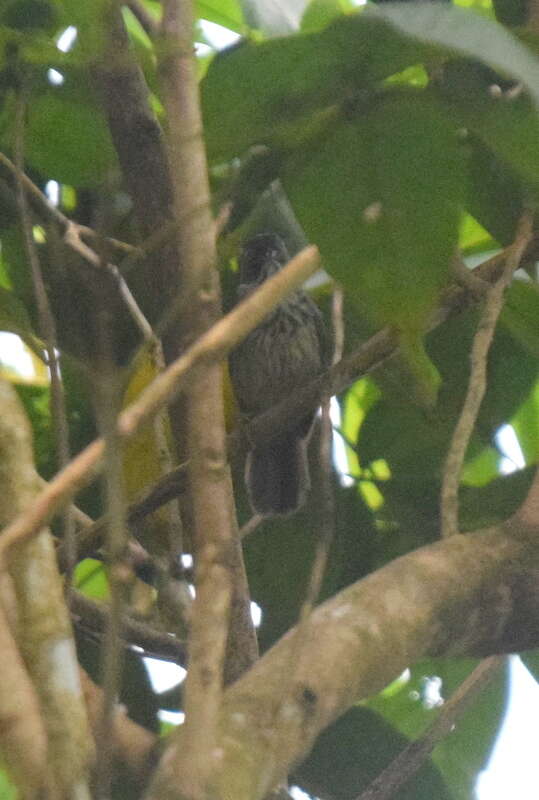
(520, 315)
(319, 13)
(380, 195)
(531, 661)
(511, 12)
(280, 91)
(272, 92)
(497, 501)
(455, 30)
(223, 12)
(67, 138)
(32, 48)
(415, 444)
(507, 124)
(495, 195)
(14, 318)
(29, 15)
(526, 426)
(92, 21)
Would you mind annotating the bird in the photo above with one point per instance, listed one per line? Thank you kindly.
(282, 354)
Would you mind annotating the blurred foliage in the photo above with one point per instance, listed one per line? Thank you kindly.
(386, 136)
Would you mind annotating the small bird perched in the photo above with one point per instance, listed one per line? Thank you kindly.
(286, 351)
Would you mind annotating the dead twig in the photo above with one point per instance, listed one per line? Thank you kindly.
(478, 378)
(407, 763)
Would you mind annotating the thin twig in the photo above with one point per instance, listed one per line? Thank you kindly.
(72, 239)
(161, 430)
(211, 347)
(251, 525)
(47, 330)
(145, 19)
(94, 617)
(119, 571)
(72, 236)
(92, 533)
(477, 384)
(53, 213)
(407, 763)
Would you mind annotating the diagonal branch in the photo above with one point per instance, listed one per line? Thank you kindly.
(407, 763)
(465, 595)
(477, 385)
(209, 348)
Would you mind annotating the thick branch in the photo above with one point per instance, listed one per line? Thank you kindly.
(43, 631)
(468, 595)
(222, 602)
(209, 348)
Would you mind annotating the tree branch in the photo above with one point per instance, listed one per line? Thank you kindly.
(367, 358)
(43, 630)
(219, 571)
(466, 595)
(407, 763)
(209, 348)
(93, 617)
(23, 740)
(477, 385)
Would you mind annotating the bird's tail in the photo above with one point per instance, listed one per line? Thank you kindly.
(277, 476)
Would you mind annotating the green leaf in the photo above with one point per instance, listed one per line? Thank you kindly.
(32, 48)
(353, 751)
(265, 93)
(473, 238)
(370, 195)
(36, 401)
(7, 789)
(92, 21)
(91, 579)
(495, 502)
(281, 91)
(520, 314)
(531, 662)
(507, 124)
(455, 30)
(414, 444)
(495, 195)
(279, 559)
(31, 15)
(319, 13)
(227, 13)
(526, 426)
(14, 318)
(68, 139)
